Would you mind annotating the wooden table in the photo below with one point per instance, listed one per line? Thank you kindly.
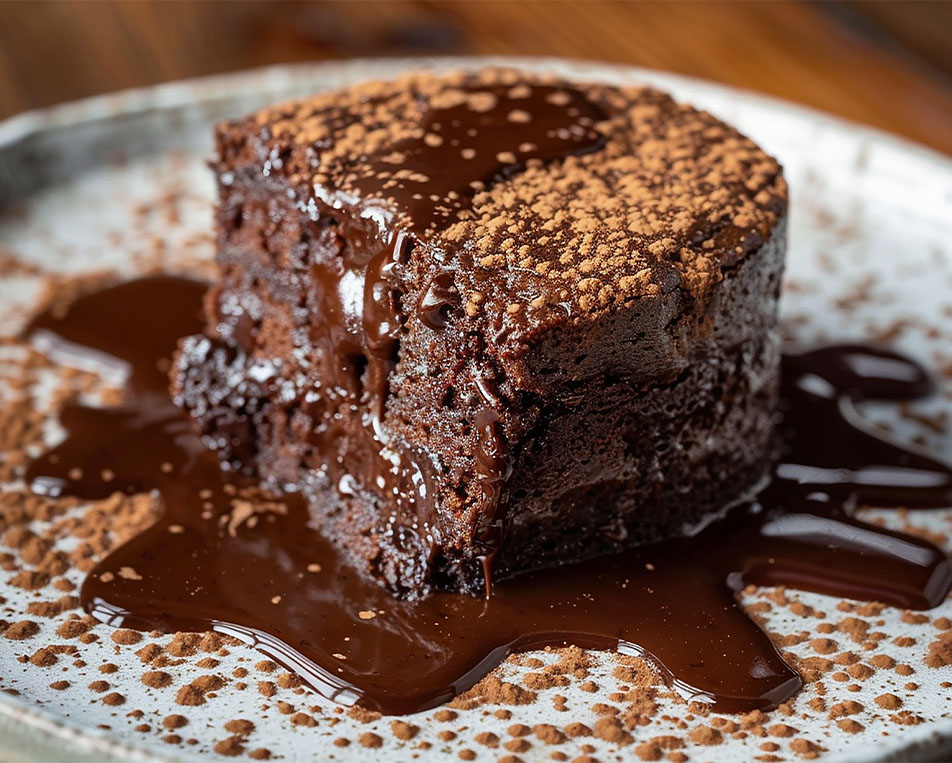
(883, 63)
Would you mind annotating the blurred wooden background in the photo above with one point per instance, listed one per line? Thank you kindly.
(885, 63)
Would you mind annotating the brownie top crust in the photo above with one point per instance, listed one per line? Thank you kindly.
(586, 196)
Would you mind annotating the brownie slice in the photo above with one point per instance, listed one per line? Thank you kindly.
(490, 321)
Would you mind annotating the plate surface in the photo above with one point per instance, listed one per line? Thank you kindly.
(119, 183)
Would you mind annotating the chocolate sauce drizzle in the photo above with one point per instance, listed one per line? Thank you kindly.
(276, 583)
(468, 147)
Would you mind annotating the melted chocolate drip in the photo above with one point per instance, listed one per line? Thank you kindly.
(275, 582)
(490, 134)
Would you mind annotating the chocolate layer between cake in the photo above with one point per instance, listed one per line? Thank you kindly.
(491, 321)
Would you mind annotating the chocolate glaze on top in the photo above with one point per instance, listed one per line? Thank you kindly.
(465, 151)
(276, 583)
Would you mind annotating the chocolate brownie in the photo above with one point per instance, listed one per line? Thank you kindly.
(491, 321)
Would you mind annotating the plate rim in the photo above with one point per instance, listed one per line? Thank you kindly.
(182, 92)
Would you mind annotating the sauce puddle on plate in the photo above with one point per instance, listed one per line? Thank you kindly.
(255, 569)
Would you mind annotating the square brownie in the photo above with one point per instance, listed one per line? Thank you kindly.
(491, 321)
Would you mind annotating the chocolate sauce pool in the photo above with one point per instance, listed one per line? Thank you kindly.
(259, 572)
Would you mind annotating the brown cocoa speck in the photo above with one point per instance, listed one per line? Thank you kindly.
(611, 730)
(126, 637)
(156, 679)
(907, 718)
(403, 730)
(888, 701)
(577, 729)
(174, 721)
(21, 630)
(487, 739)
(805, 748)
(239, 727)
(548, 733)
(492, 690)
(824, 645)
(706, 735)
(940, 650)
(860, 671)
(362, 714)
(850, 726)
(518, 745)
(189, 696)
(267, 688)
(230, 746)
(648, 751)
(149, 652)
(303, 719)
(370, 740)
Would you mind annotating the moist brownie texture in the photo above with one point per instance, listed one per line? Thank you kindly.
(490, 321)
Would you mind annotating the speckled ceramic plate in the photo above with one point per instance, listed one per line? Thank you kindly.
(118, 182)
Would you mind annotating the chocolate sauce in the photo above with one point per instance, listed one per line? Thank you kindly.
(494, 133)
(269, 578)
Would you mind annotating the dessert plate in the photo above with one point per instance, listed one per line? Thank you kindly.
(118, 184)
